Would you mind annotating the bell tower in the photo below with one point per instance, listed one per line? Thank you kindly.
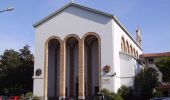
(139, 36)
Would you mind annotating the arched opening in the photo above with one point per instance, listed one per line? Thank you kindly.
(123, 47)
(134, 52)
(92, 63)
(72, 67)
(131, 50)
(53, 68)
(127, 47)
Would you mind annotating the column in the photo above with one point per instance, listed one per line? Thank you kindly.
(46, 73)
(81, 92)
(62, 71)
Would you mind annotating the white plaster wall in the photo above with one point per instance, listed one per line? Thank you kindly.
(38, 86)
(127, 69)
(116, 48)
(74, 21)
(117, 35)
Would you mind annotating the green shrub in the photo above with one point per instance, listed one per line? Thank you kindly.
(111, 95)
(144, 83)
(35, 98)
(157, 93)
(126, 92)
(117, 97)
(28, 96)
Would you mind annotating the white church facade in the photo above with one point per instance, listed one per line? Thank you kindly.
(80, 51)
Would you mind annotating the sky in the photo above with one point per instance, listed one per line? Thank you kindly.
(153, 17)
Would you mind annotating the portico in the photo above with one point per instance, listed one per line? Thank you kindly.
(72, 70)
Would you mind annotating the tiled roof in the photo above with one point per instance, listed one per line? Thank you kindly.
(152, 55)
(164, 86)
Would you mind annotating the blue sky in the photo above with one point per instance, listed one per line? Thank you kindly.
(153, 16)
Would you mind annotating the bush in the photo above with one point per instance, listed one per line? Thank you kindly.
(29, 96)
(35, 98)
(117, 97)
(111, 95)
(126, 92)
(144, 83)
(157, 94)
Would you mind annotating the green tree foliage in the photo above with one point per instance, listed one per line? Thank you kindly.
(144, 83)
(163, 65)
(29, 96)
(16, 71)
(111, 95)
(126, 92)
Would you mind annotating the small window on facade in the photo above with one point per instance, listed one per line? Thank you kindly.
(151, 61)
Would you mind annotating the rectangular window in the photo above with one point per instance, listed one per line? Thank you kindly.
(151, 61)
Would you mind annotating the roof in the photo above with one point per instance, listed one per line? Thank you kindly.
(89, 9)
(75, 5)
(152, 55)
(164, 86)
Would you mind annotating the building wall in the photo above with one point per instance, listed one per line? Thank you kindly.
(148, 64)
(127, 69)
(79, 21)
(74, 21)
(118, 34)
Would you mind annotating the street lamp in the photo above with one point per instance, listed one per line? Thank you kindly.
(8, 9)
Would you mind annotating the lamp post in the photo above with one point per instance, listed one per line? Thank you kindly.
(8, 9)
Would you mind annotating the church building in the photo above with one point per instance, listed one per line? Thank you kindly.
(80, 50)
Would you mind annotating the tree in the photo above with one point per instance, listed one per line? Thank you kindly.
(16, 71)
(163, 64)
(144, 83)
(111, 95)
(26, 68)
(9, 62)
(126, 92)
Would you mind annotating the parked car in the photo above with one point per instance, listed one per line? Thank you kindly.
(3, 97)
(160, 98)
(13, 98)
